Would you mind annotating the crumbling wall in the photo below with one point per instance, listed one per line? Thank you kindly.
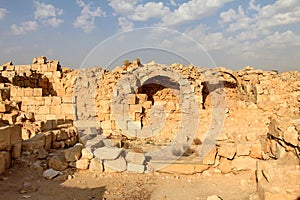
(45, 99)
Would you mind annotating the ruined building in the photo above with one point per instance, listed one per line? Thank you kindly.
(150, 117)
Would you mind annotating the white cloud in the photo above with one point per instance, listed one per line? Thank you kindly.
(47, 14)
(2, 13)
(125, 24)
(86, 21)
(210, 41)
(149, 10)
(54, 22)
(173, 3)
(44, 11)
(193, 10)
(277, 14)
(231, 15)
(123, 7)
(280, 40)
(24, 27)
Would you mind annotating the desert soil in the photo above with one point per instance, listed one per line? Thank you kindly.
(86, 185)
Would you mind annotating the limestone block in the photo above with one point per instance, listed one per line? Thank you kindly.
(36, 142)
(6, 159)
(37, 92)
(55, 110)
(67, 109)
(243, 163)
(36, 67)
(82, 164)
(16, 134)
(227, 150)
(43, 110)
(142, 98)
(50, 174)
(132, 100)
(256, 150)
(291, 136)
(117, 165)
(48, 140)
(55, 101)
(16, 150)
(135, 108)
(10, 68)
(58, 163)
(2, 163)
(106, 125)
(180, 168)
(73, 153)
(86, 154)
(135, 158)
(210, 158)
(28, 92)
(137, 168)
(14, 92)
(243, 149)
(147, 104)
(39, 101)
(50, 117)
(40, 117)
(96, 165)
(225, 165)
(5, 142)
(20, 92)
(107, 153)
(171, 106)
(68, 99)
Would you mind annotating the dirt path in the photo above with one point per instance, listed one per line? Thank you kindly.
(85, 185)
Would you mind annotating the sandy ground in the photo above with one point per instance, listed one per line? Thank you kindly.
(85, 185)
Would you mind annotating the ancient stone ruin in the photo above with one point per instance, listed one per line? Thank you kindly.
(143, 118)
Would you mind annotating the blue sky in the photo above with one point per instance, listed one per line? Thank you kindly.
(231, 33)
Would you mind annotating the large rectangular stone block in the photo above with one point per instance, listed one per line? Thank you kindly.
(15, 134)
(67, 109)
(132, 100)
(37, 92)
(28, 92)
(68, 99)
(37, 142)
(5, 161)
(106, 125)
(56, 110)
(5, 143)
(135, 108)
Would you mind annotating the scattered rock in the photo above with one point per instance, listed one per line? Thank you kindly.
(82, 164)
(227, 150)
(117, 165)
(29, 187)
(42, 154)
(50, 174)
(96, 165)
(137, 158)
(107, 153)
(132, 167)
(86, 154)
(73, 153)
(58, 163)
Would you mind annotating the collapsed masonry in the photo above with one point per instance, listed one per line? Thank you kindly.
(148, 117)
